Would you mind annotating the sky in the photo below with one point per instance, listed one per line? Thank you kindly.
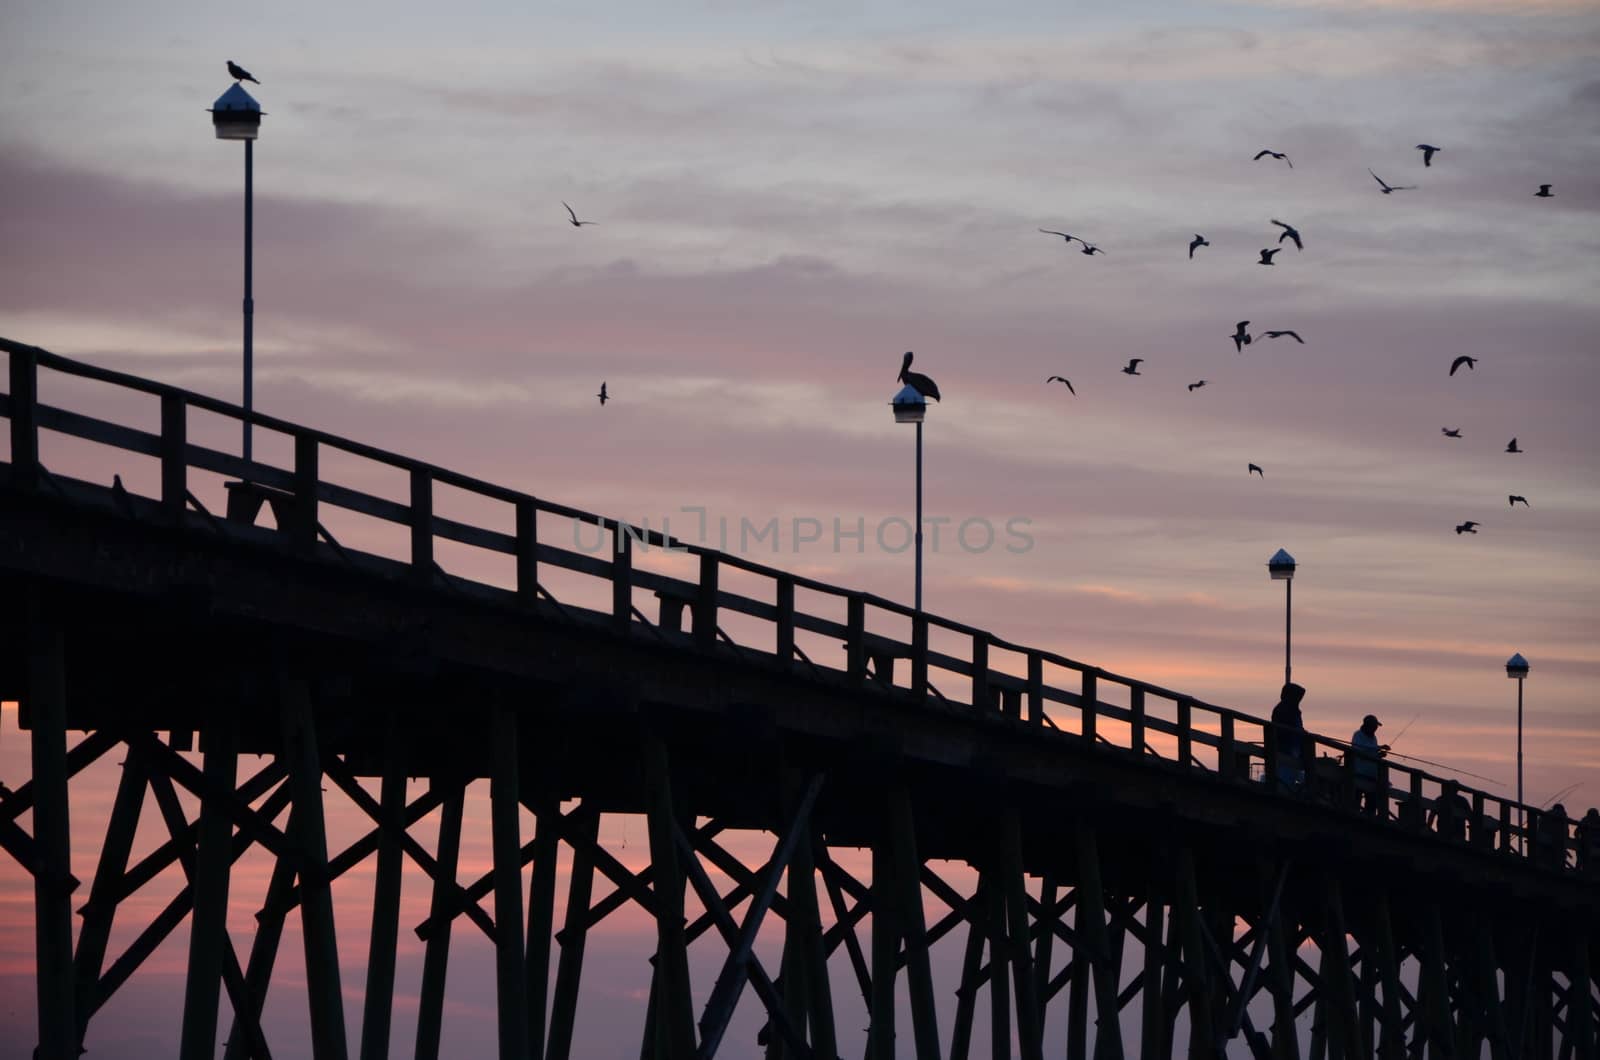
(789, 196)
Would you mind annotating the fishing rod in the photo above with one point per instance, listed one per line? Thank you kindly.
(1442, 765)
(1563, 793)
(1405, 730)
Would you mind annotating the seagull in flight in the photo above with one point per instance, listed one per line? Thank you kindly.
(1089, 248)
(1295, 335)
(1198, 241)
(1248, 468)
(1468, 527)
(1512, 447)
(1063, 235)
(603, 396)
(1241, 338)
(1544, 192)
(1511, 501)
(1470, 362)
(1387, 188)
(1279, 155)
(575, 222)
(1451, 432)
(1133, 366)
(1062, 379)
(916, 380)
(1289, 232)
(1427, 153)
(1196, 386)
(1266, 255)
(239, 73)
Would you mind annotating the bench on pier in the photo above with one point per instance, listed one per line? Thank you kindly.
(246, 498)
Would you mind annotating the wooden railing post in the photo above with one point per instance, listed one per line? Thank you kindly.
(1090, 704)
(784, 646)
(1035, 688)
(174, 465)
(1185, 732)
(980, 671)
(422, 524)
(705, 602)
(1269, 755)
(1479, 833)
(1505, 826)
(1418, 817)
(1227, 758)
(919, 655)
(1137, 720)
(24, 418)
(621, 578)
(527, 549)
(304, 531)
(855, 637)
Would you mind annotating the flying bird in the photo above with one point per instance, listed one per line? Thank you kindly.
(603, 396)
(1387, 188)
(1511, 501)
(1451, 432)
(575, 222)
(1295, 335)
(1062, 379)
(1427, 153)
(1248, 468)
(1089, 248)
(1279, 155)
(1468, 527)
(1063, 235)
(1198, 241)
(1197, 386)
(1470, 362)
(1544, 192)
(1133, 366)
(1511, 447)
(1241, 338)
(1290, 232)
(239, 73)
(916, 380)
(1266, 255)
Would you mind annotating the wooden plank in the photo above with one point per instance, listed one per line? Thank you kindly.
(436, 953)
(45, 698)
(420, 520)
(1136, 721)
(980, 671)
(1186, 732)
(919, 656)
(1152, 1022)
(972, 955)
(527, 553)
(100, 910)
(784, 648)
(885, 950)
(1092, 930)
(705, 602)
(208, 925)
(303, 526)
(1090, 709)
(541, 920)
(174, 471)
(805, 924)
(908, 875)
(1030, 1042)
(621, 581)
(23, 401)
(1035, 688)
(511, 991)
(674, 1022)
(574, 935)
(263, 955)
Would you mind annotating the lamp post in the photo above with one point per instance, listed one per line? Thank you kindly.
(1517, 670)
(237, 116)
(910, 407)
(1281, 567)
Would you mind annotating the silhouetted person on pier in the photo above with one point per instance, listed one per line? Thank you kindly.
(1550, 844)
(1367, 764)
(1451, 811)
(1589, 843)
(1290, 728)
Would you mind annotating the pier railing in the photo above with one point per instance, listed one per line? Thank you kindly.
(977, 671)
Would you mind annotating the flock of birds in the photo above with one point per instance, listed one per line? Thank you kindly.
(1241, 334)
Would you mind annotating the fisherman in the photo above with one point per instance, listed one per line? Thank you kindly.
(1289, 728)
(1367, 763)
(1550, 843)
(1589, 843)
(1451, 811)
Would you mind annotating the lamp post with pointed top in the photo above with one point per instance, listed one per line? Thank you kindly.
(237, 116)
(1281, 567)
(1517, 670)
(910, 407)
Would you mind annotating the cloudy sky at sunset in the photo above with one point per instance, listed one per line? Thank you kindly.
(790, 195)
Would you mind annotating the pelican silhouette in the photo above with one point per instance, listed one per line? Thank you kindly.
(1470, 362)
(1133, 366)
(1468, 527)
(1062, 379)
(1289, 232)
(603, 396)
(1266, 255)
(1198, 241)
(1256, 468)
(1451, 432)
(239, 73)
(1544, 192)
(575, 222)
(1511, 501)
(1295, 335)
(1279, 155)
(1387, 188)
(1241, 338)
(1511, 447)
(916, 380)
(1427, 153)
(1197, 386)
